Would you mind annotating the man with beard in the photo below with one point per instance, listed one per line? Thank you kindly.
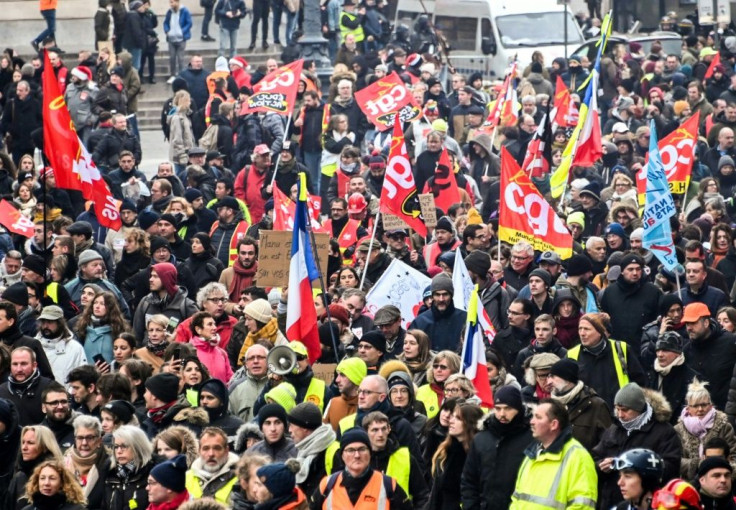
(242, 273)
(25, 385)
(212, 474)
(315, 444)
(59, 415)
(214, 398)
(589, 414)
(496, 454)
(82, 383)
(394, 460)
(245, 392)
(443, 323)
(343, 229)
(63, 351)
(17, 294)
(388, 322)
(632, 301)
(445, 240)
(397, 248)
(350, 373)
(229, 228)
(88, 460)
(84, 238)
(577, 279)
(166, 297)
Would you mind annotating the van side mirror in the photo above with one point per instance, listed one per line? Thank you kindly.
(488, 46)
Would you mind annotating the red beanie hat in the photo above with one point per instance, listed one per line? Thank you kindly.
(167, 273)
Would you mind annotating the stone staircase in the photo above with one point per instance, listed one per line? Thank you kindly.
(155, 95)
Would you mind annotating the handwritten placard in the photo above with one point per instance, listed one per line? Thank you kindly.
(274, 257)
(392, 222)
(429, 210)
(324, 371)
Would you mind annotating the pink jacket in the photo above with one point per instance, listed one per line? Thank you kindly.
(214, 358)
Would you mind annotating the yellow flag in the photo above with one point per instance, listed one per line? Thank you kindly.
(558, 179)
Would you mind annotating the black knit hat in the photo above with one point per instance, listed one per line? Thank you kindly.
(170, 218)
(192, 194)
(543, 275)
(478, 262)
(509, 396)
(128, 205)
(204, 240)
(444, 223)
(355, 435)
(164, 386)
(35, 263)
(158, 242)
(713, 463)
(16, 294)
(172, 473)
(579, 265)
(632, 258)
(566, 369)
(376, 339)
(122, 409)
(306, 415)
(272, 411)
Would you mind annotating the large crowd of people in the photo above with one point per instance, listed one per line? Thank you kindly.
(135, 363)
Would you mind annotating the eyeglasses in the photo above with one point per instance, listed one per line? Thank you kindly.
(519, 257)
(452, 391)
(514, 312)
(544, 376)
(86, 439)
(57, 403)
(440, 367)
(368, 392)
(352, 451)
(216, 299)
(120, 447)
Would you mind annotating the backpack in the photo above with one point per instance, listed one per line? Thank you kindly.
(209, 139)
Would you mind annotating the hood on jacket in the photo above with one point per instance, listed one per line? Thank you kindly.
(484, 141)
(193, 415)
(564, 294)
(245, 432)
(661, 409)
(189, 442)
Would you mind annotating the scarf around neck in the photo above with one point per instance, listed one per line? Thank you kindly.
(572, 393)
(638, 422)
(311, 446)
(698, 427)
(157, 414)
(665, 371)
(157, 349)
(268, 332)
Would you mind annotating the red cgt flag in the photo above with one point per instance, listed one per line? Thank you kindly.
(384, 99)
(399, 194)
(712, 67)
(72, 163)
(277, 91)
(445, 190)
(14, 221)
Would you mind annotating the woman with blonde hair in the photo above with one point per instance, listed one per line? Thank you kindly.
(184, 212)
(53, 487)
(157, 342)
(181, 136)
(416, 355)
(37, 445)
(449, 459)
(700, 422)
(432, 394)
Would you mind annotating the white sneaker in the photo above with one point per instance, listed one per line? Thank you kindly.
(171, 80)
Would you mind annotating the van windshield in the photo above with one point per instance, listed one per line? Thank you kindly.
(537, 29)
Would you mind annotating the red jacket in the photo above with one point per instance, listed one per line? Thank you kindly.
(248, 186)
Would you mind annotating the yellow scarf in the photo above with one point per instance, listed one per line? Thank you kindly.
(268, 332)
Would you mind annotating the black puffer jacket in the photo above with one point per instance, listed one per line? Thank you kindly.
(630, 306)
(713, 357)
(493, 460)
(673, 387)
(120, 491)
(657, 435)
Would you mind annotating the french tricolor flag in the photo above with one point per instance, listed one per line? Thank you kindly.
(301, 316)
(474, 353)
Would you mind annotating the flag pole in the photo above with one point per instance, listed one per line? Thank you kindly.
(278, 158)
(370, 247)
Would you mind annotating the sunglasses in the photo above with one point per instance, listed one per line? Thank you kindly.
(441, 367)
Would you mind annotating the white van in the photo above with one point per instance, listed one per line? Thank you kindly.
(485, 35)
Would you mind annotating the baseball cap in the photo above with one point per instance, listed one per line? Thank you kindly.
(695, 311)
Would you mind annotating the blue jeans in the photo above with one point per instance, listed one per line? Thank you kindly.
(290, 24)
(133, 125)
(227, 37)
(50, 16)
(313, 160)
(137, 54)
(277, 8)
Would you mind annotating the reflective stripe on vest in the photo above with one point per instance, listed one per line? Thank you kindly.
(357, 32)
(621, 375)
(195, 488)
(399, 468)
(550, 501)
(373, 497)
(316, 393)
(427, 396)
(330, 456)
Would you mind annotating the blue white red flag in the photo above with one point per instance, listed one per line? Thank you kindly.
(474, 350)
(658, 208)
(301, 316)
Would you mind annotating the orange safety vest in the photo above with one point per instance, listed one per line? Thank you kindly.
(240, 231)
(374, 495)
(433, 250)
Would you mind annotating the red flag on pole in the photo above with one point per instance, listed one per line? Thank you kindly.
(445, 190)
(14, 221)
(399, 194)
(562, 105)
(277, 91)
(712, 67)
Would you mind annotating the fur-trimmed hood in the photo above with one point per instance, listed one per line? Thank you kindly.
(661, 409)
(246, 430)
(194, 416)
(189, 440)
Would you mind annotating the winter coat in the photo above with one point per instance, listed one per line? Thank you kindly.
(540, 84)
(443, 328)
(496, 300)
(20, 119)
(280, 451)
(657, 435)
(595, 220)
(81, 101)
(713, 298)
(713, 357)
(691, 445)
(98, 341)
(193, 418)
(649, 338)
(64, 355)
(247, 136)
(446, 483)
(178, 306)
(205, 268)
(357, 122)
(489, 475)
(244, 395)
(630, 306)
(673, 386)
(107, 152)
(233, 6)
(131, 81)
(590, 416)
(136, 287)
(214, 358)
(185, 22)
(134, 36)
(553, 346)
(28, 402)
(509, 342)
(120, 492)
(181, 138)
(9, 447)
